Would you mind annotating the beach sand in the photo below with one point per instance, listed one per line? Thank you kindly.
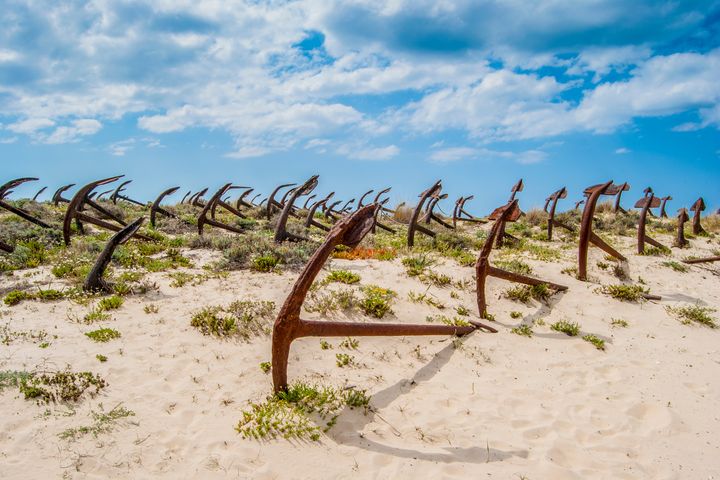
(487, 406)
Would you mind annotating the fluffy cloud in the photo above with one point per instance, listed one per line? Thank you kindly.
(276, 76)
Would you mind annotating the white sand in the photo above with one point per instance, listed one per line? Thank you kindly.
(501, 406)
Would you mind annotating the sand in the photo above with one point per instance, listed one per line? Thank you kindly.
(491, 406)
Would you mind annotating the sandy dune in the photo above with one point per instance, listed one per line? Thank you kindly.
(487, 406)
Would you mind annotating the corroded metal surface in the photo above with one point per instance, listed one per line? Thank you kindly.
(587, 236)
(645, 204)
(155, 208)
(95, 282)
(680, 240)
(6, 189)
(57, 197)
(281, 233)
(697, 208)
(348, 231)
(552, 222)
(507, 213)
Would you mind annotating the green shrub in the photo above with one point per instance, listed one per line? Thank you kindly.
(110, 303)
(693, 313)
(523, 330)
(244, 318)
(287, 414)
(342, 276)
(595, 340)
(103, 335)
(376, 301)
(568, 328)
(265, 263)
(65, 386)
(628, 293)
(417, 264)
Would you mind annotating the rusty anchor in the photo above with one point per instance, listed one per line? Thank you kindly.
(507, 213)
(272, 204)
(680, 240)
(383, 210)
(697, 208)
(587, 236)
(39, 192)
(310, 220)
(432, 196)
(81, 200)
(210, 207)
(281, 233)
(664, 200)
(57, 197)
(348, 231)
(155, 208)
(624, 187)
(645, 204)
(196, 199)
(6, 190)
(552, 222)
(95, 282)
(459, 211)
(117, 195)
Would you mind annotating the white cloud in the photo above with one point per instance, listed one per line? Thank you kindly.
(8, 140)
(622, 151)
(78, 128)
(31, 125)
(232, 67)
(377, 153)
(453, 154)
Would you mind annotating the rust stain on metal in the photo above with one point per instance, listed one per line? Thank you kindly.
(587, 236)
(95, 282)
(697, 208)
(6, 189)
(552, 222)
(682, 217)
(507, 213)
(645, 204)
(348, 231)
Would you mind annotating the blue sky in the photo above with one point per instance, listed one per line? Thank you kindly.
(366, 94)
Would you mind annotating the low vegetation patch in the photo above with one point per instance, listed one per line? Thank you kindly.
(416, 265)
(342, 276)
(376, 301)
(241, 318)
(103, 335)
(598, 342)
(62, 386)
(103, 422)
(524, 330)
(362, 253)
(619, 323)
(16, 296)
(330, 301)
(568, 328)
(523, 293)
(297, 412)
(627, 293)
(688, 314)
(676, 266)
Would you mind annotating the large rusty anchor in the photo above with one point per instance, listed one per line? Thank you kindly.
(587, 236)
(459, 211)
(6, 190)
(552, 222)
(680, 240)
(81, 200)
(57, 197)
(431, 195)
(155, 208)
(210, 207)
(623, 188)
(281, 233)
(507, 213)
(348, 231)
(95, 282)
(697, 208)
(118, 195)
(645, 204)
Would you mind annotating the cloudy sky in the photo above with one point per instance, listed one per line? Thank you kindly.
(367, 94)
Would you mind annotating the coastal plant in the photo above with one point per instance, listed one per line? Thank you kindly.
(376, 301)
(342, 276)
(627, 293)
(688, 314)
(295, 413)
(61, 386)
(103, 335)
(103, 422)
(570, 329)
(598, 342)
(523, 330)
